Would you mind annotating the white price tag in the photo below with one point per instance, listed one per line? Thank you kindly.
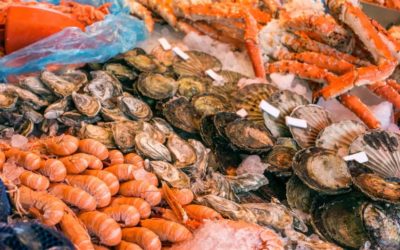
(291, 121)
(164, 43)
(271, 110)
(242, 113)
(360, 157)
(216, 77)
(180, 53)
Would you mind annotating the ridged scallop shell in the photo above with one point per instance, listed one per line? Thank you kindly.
(379, 177)
(285, 101)
(197, 64)
(317, 119)
(338, 136)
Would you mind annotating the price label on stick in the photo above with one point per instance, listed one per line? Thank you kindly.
(271, 110)
(299, 123)
(360, 157)
(180, 53)
(215, 76)
(242, 113)
(164, 43)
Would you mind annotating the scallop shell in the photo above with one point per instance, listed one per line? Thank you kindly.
(285, 101)
(379, 177)
(317, 119)
(338, 136)
(279, 160)
(197, 64)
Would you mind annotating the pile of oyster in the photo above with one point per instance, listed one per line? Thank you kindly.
(187, 128)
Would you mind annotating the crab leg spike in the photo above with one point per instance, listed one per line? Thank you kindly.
(139, 10)
(252, 46)
(360, 109)
(384, 90)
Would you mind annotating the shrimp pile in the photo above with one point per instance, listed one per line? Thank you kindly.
(99, 198)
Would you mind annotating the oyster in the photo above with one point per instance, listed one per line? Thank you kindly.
(249, 136)
(113, 114)
(317, 119)
(338, 136)
(170, 174)
(199, 168)
(208, 104)
(121, 72)
(155, 133)
(101, 134)
(31, 114)
(162, 126)
(79, 78)
(74, 118)
(151, 148)
(8, 101)
(56, 109)
(298, 195)
(124, 134)
(181, 114)
(143, 62)
(197, 64)
(24, 95)
(190, 86)
(60, 86)
(247, 182)
(87, 105)
(322, 170)
(134, 108)
(182, 152)
(156, 86)
(379, 177)
(24, 128)
(279, 160)
(34, 85)
(103, 86)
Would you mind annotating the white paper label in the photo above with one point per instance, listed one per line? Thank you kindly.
(360, 157)
(180, 53)
(242, 113)
(216, 77)
(271, 110)
(164, 43)
(299, 123)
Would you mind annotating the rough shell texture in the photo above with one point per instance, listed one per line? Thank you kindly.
(169, 173)
(87, 105)
(298, 195)
(208, 104)
(135, 108)
(197, 64)
(151, 148)
(190, 86)
(156, 86)
(181, 114)
(182, 152)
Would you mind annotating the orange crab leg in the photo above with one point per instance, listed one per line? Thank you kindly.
(162, 8)
(360, 109)
(252, 46)
(394, 85)
(139, 10)
(205, 28)
(385, 91)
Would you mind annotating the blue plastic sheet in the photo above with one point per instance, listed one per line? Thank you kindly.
(100, 42)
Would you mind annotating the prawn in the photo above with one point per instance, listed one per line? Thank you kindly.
(141, 174)
(99, 247)
(2, 159)
(116, 157)
(128, 215)
(52, 207)
(62, 145)
(124, 172)
(93, 147)
(184, 196)
(28, 160)
(141, 205)
(144, 237)
(104, 227)
(93, 161)
(166, 213)
(141, 189)
(53, 169)
(167, 230)
(200, 213)
(124, 245)
(108, 178)
(74, 165)
(93, 185)
(75, 230)
(134, 159)
(34, 181)
(74, 196)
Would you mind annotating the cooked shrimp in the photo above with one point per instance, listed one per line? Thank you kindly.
(166, 213)
(127, 215)
(141, 205)
(142, 175)
(34, 181)
(144, 237)
(74, 196)
(93, 185)
(53, 169)
(108, 178)
(167, 230)
(184, 196)
(199, 212)
(75, 230)
(74, 164)
(116, 157)
(124, 245)
(51, 207)
(141, 189)
(27, 160)
(93, 147)
(2, 159)
(93, 161)
(124, 172)
(134, 159)
(62, 145)
(99, 247)
(104, 227)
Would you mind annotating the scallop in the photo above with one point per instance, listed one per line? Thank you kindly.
(298, 195)
(197, 64)
(279, 160)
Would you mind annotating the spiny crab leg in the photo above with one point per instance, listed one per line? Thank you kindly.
(360, 109)
(252, 46)
(386, 91)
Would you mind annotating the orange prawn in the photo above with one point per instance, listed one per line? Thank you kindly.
(93, 147)
(2, 159)
(141, 174)
(108, 178)
(166, 213)
(34, 181)
(184, 196)
(141, 189)
(141, 205)
(167, 230)
(144, 237)
(93, 185)
(99, 247)
(127, 215)
(52, 207)
(124, 172)
(75, 230)
(74, 165)
(29, 161)
(104, 227)
(134, 159)
(116, 157)
(62, 145)
(199, 212)
(93, 161)
(53, 169)
(124, 245)
(74, 196)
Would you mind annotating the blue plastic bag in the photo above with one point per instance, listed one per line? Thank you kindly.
(117, 7)
(101, 41)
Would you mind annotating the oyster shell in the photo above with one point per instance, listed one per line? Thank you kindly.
(181, 114)
(24, 128)
(134, 108)
(190, 86)
(143, 62)
(156, 86)
(169, 173)
(124, 134)
(154, 132)
(58, 85)
(247, 182)
(162, 126)
(322, 170)
(279, 160)
(31, 114)
(24, 95)
(182, 152)
(249, 136)
(56, 109)
(199, 168)
(74, 118)
(121, 72)
(34, 85)
(298, 195)
(151, 148)
(317, 119)
(113, 114)
(8, 101)
(338, 136)
(101, 134)
(85, 104)
(208, 104)
(103, 86)
(197, 64)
